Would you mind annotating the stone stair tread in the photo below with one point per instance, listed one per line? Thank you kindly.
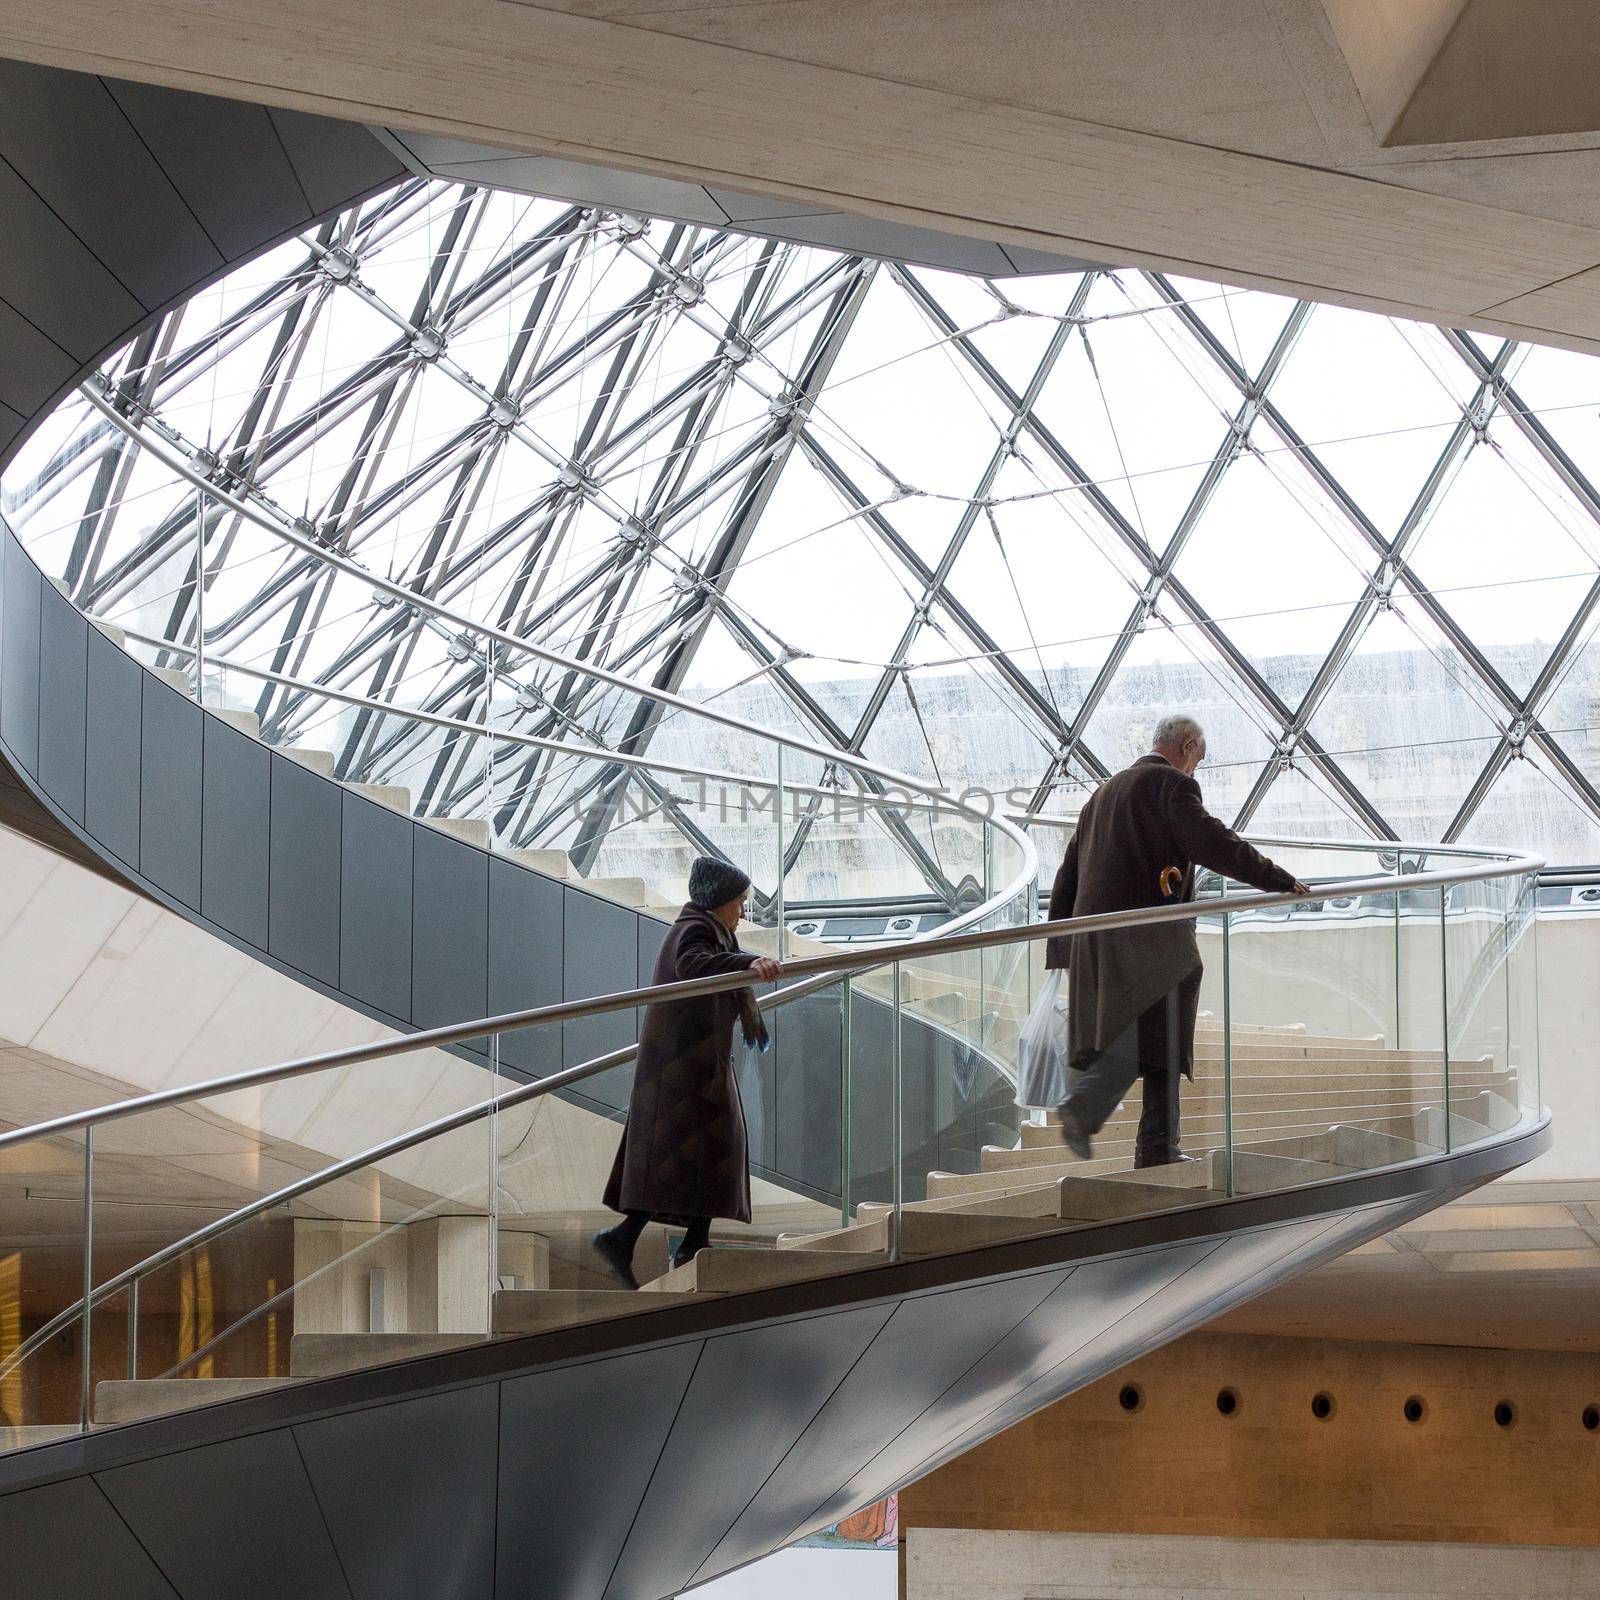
(394, 796)
(736, 1271)
(475, 830)
(247, 722)
(319, 761)
(133, 1399)
(326, 1355)
(552, 863)
(174, 679)
(537, 1310)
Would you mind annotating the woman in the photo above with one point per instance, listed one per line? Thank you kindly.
(683, 1157)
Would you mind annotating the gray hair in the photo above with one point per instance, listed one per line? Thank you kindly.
(1176, 731)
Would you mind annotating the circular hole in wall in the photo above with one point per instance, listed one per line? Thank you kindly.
(1591, 1418)
(1505, 1413)
(1416, 1408)
(1131, 1398)
(1322, 1406)
(1228, 1402)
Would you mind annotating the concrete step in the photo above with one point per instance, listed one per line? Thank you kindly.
(1260, 1171)
(181, 681)
(245, 721)
(1071, 1199)
(475, 830)
(552, 863)
(539, 1310)
(634, 892)
(133, 1399)
(394, 796)
(326, 1355)
(734, 1271)
(1111, 1167)
(319, 761)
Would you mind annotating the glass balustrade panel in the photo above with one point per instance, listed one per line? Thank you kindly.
(42, 1242)
(1322, 1055)
(400, 1244)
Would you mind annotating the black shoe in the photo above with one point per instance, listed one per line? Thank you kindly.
(680, 1258)
(1073, 1136)
(617, 1257)
(1165, 1161)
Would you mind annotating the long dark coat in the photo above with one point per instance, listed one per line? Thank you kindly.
(1147, 818)
(684, 1150)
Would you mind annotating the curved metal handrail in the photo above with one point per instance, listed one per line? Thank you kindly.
(828, 968)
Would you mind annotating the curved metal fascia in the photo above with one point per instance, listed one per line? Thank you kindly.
(172, 457)
(435, 719)
(1442, 1176)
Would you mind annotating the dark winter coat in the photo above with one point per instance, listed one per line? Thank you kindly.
(1146, 819)
(683, 1152)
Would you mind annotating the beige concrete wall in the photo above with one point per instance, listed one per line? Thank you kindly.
(959, 1564)
(1273, 1470)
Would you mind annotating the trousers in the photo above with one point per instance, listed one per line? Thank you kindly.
(1100, 1086)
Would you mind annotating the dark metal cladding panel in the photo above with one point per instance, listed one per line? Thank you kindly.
(53, 279)
(432, 1459)
(11, 422)
(111, 750)
(871, 1099)
(225, 159)
(927, 1345)
(971, 1324)
(649, 935)
(375, 900)
(808, 1086)
(34, 368)
(303, 923)
(236, 833)
(601, 957)
(526, 928)
(333, 160)
(19, 654)
(1156, 1296)
(65, 134)
(450, 929)
(687, 1509)
(63, 701)
(1042, 1350)
(65, 1542)
(231, 1521)
(170, 802)
(577, 1447)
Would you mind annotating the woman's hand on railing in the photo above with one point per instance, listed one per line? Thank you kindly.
(767, 968)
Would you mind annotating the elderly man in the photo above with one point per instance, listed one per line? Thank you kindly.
(1133, 992)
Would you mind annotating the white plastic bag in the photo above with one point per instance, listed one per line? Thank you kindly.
(1042, 1048)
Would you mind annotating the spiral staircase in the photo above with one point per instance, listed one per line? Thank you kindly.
(924, 1269)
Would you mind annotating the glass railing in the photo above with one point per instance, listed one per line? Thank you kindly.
(202, 1244)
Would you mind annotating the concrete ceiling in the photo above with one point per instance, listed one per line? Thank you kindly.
(1271, 142)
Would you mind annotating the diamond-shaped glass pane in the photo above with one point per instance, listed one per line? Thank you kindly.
(1408, 720)
(1508, 554)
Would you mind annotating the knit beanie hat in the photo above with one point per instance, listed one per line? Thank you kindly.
(714, 883)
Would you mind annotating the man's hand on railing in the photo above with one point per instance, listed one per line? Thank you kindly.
(1299, 888)
(766, 968)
